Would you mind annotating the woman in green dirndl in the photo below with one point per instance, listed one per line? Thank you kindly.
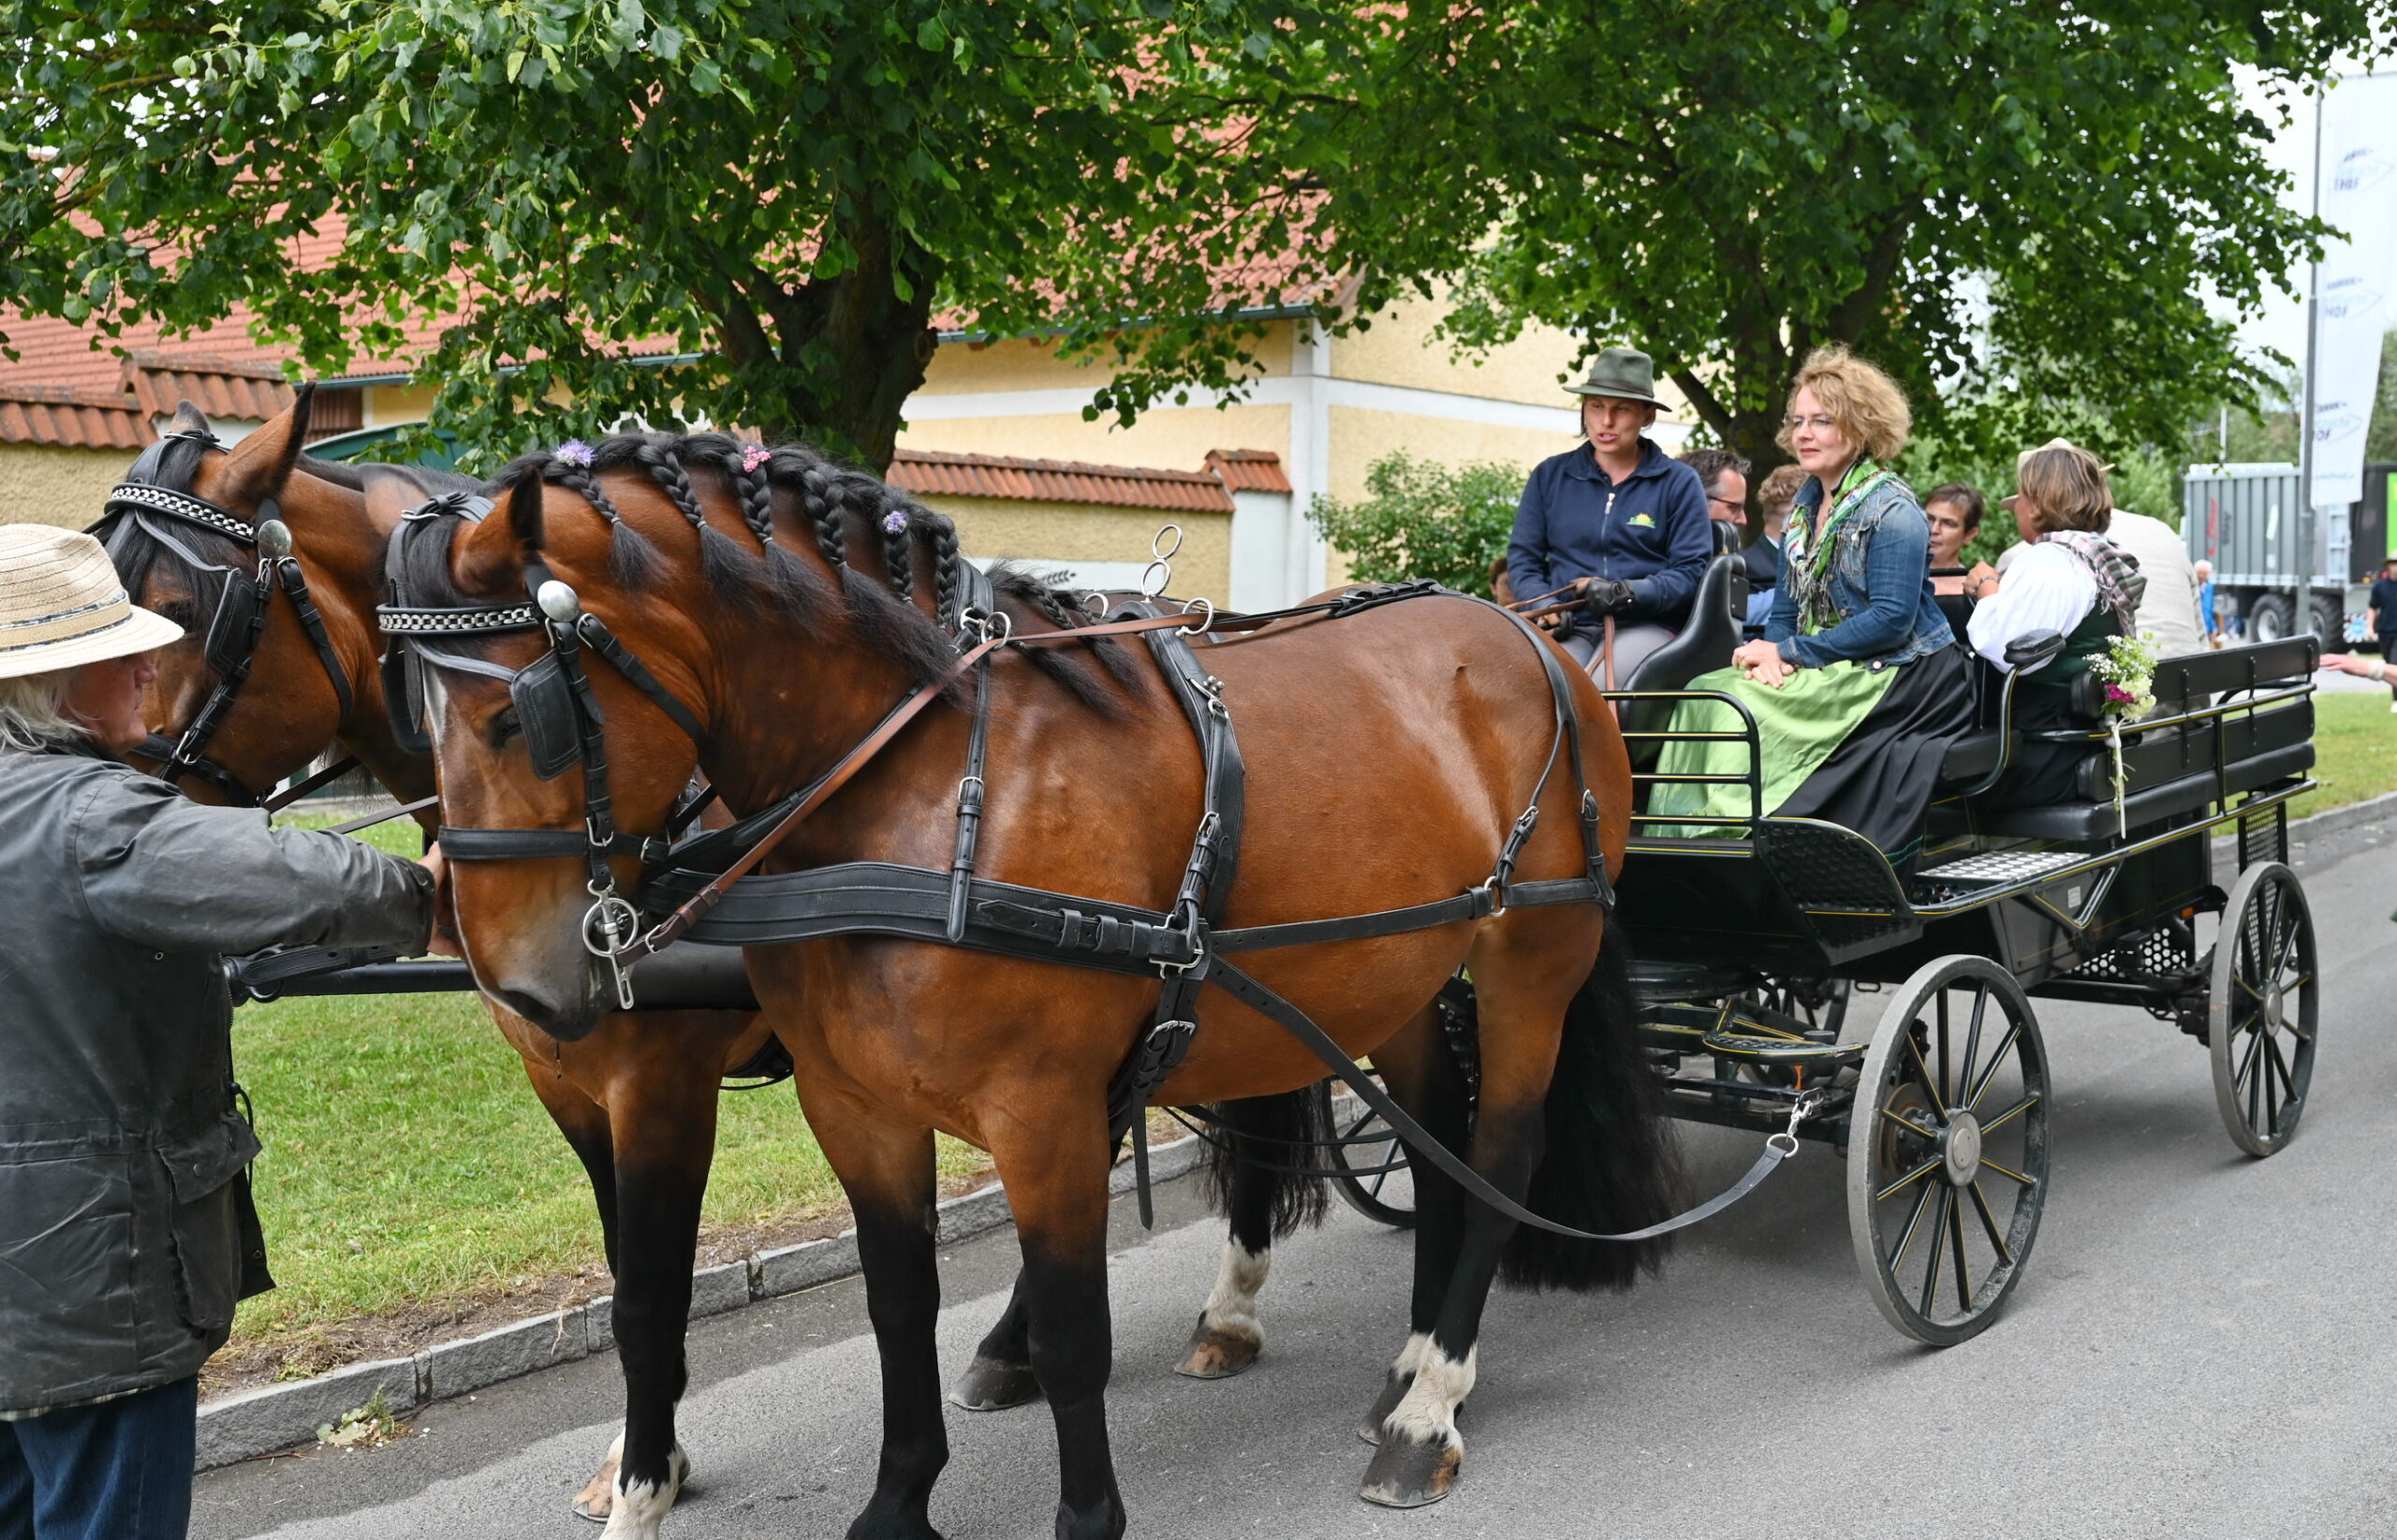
(1857, 687)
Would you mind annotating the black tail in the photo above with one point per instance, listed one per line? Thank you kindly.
(1263, 1133)
(1612, 1162)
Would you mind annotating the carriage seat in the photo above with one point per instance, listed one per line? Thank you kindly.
(1716, 614)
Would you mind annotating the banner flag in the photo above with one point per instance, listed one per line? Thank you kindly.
(2353, 302)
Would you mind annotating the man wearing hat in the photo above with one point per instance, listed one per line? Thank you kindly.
(127, 1230)
(1615, 524)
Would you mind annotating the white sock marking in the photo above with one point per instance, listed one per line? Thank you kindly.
(1232, 1308)
(641, 1507)
(1428, 1412)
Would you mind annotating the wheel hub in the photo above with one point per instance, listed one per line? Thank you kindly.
(1960, 1149)
(2273, 1006)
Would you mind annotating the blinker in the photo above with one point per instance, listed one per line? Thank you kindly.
(545, 711)
(232, 634)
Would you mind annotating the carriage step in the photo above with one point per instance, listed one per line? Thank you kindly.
(1998, 868)
(1752, 1043)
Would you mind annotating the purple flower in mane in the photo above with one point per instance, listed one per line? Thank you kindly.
(894, 523)
(574, 452)
(753, 456)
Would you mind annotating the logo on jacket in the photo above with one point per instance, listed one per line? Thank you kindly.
(1641, 520)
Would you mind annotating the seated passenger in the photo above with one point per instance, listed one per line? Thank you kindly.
(2069, 581)
(1856, 686)
(1954, 510)
(1616, 522)
(1773, 499)
(1724, 477)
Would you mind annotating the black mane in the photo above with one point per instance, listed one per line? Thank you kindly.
(875, 539)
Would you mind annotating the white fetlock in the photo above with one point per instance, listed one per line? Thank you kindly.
(1427, 1413)
(1231, 1308)
(641, 1507)
(1413, 1355)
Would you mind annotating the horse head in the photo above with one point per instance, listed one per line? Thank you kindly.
(257, 501)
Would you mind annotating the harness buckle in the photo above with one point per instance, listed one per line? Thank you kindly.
(609, 927)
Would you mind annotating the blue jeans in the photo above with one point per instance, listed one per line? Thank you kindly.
(116, 1470)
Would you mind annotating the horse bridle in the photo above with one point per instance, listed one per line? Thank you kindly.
(234, 632)
(558, 714)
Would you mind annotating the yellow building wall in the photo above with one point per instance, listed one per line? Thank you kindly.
(1360, 437)
(990, 527)
(1031, 363)
(1401, 348)
(44, 484)
(389, 405)
(1173, 438)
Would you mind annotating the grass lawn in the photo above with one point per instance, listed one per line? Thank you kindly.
(408, 1163)
(2355, 751)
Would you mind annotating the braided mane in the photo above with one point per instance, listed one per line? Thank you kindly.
(876, 541)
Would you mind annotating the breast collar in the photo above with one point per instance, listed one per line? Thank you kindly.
(234, 632)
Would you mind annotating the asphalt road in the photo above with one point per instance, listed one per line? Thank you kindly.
(2202, 1345)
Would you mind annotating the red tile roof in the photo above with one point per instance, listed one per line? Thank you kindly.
(930, 473)
(1249, 470)
(72, 418)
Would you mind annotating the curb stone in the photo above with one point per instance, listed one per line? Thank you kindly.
(277, 1416)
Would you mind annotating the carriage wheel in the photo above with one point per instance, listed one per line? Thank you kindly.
(2262, 1009)
(1947, 1150)
(1384, 1196)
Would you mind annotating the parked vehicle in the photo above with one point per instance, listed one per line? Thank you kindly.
(2242, 518)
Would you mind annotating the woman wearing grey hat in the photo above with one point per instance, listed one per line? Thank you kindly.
(1619, 524)
(127, 1230)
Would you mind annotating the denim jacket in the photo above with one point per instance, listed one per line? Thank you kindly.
(1880, 584)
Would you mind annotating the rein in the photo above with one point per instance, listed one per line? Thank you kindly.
(234, 632)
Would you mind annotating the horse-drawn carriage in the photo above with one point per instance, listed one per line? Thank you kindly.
(1762, 943)
(591, 651)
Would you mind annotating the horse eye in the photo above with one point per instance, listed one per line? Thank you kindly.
(504, 728)
(180, 611)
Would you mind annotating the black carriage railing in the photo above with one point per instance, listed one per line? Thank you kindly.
(1643, 704)
(2202, 739)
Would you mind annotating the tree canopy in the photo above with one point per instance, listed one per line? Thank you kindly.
(786, 194)
(2014, 205)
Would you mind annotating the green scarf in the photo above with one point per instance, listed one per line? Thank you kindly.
(1810, 550)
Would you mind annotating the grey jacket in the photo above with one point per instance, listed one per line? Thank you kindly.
(120, 1219)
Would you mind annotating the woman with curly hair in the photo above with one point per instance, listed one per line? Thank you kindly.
(1856, 686)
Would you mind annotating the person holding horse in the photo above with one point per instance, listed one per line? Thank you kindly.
(1856, 686)
(1616, 527)
(126, 1229)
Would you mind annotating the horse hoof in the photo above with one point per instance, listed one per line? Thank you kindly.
(1412, 1473)
(989, 1386)
(1394, 1390)
(1215, 1353)
(597, 1498)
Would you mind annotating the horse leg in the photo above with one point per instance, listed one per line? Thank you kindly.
(1260, 1204)
(584, 1123)
(1425, 1080)
(1522, 1023)
(664, 1113)
(887, 1172)
(1001, 1375)
(1056, 1179)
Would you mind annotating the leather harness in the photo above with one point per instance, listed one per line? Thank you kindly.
(233, 633)
(703, 887)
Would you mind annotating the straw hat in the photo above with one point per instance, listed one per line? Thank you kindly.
(61, 604)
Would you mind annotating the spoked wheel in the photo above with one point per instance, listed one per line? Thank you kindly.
(1947, 1150)
(2262, 1008)
(1375, 1178)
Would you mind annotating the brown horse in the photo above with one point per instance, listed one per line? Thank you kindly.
(636, 1099)
(1389, 754)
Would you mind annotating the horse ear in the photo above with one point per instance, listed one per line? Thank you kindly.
(256, 469)
(189, 419)
(490, 556)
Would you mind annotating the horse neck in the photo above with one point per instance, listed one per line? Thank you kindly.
(792, 704)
